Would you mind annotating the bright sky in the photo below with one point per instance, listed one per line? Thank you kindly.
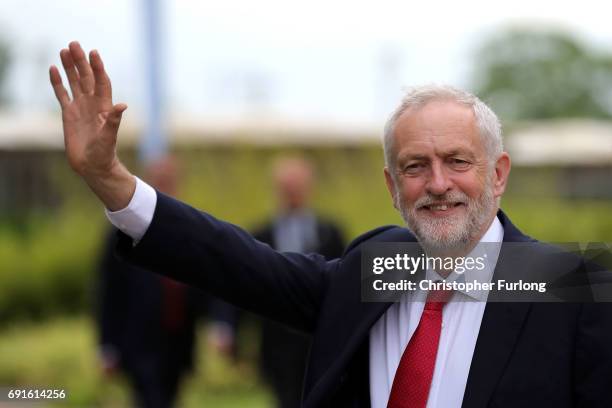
(321, 59)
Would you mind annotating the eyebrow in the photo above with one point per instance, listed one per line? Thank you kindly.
(407, 157)
(460, 151)
(422, 157)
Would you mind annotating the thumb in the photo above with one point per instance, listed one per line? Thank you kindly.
(113, 120)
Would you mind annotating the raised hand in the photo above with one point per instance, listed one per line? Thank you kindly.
(91, 123)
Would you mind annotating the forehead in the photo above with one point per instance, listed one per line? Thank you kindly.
(438, 127)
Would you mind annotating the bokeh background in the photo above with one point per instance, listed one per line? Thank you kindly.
(241, 83)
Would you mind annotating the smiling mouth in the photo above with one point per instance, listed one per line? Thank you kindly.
(441, 206)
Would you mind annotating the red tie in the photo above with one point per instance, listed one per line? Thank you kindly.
(412, 380)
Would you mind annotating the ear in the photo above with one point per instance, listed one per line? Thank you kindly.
(391, 187)
(502, 171)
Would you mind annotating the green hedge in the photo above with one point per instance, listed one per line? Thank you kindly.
(49, 270)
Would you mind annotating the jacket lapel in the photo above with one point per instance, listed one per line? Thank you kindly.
(499, 331)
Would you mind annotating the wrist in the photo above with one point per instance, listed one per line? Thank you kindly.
(114, 186)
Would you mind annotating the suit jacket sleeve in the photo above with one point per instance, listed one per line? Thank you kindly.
(194, 247)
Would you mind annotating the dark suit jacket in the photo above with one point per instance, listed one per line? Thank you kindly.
(527, 355)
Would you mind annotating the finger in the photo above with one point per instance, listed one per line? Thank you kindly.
(102, 87)
(60, 92)
(71, 73)
(82, 65)
(113, 119)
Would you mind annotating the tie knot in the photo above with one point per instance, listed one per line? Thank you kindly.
(436, 299)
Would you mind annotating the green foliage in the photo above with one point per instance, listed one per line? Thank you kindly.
(533, 74)
(62, 354)
(552, 220)
(49, 270)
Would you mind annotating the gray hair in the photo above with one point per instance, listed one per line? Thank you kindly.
(488, 124)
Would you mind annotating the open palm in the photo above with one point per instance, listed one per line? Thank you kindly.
(90, 119)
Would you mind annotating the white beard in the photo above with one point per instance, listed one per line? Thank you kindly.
(453, 232)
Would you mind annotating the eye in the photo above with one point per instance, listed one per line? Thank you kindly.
(459, 164)
(413, 168)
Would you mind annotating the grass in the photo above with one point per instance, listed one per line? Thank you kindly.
(61, 353)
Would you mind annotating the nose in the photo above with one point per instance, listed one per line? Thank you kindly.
(438, 182)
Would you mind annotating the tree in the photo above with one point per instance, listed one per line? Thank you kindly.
(528, 74)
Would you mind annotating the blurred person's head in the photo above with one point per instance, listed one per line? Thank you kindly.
(445, 166)
(293, 180)
(163, 174)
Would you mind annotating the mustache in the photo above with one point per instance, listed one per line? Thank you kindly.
(451, 197)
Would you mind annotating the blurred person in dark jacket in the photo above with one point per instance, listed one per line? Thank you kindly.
(146, 322)
(295, 228)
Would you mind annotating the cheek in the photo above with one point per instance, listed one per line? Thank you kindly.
(472, 184)
(411, 190)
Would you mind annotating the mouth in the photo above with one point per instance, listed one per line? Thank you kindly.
(442, 208)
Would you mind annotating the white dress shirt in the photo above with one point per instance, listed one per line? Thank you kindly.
(391, 333)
